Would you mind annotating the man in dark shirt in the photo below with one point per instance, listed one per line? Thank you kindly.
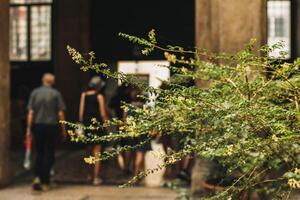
(45, 108)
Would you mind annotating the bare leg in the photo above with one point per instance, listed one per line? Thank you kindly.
(96, 151)
(177, 167)
(184, 173)
(121, 162)
(186, 163)
(139, 161)
(127, 159)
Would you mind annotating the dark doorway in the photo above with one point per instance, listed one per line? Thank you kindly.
(173, 21)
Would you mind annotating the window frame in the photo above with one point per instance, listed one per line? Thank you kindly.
(292, 30)
(29, 62)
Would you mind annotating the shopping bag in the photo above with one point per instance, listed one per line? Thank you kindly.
(28, 146)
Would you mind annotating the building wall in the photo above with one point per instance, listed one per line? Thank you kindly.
(4, 94)
(71, 27)
(296, 28)
(227, 25)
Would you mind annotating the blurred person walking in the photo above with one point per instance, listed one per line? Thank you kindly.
(92, 106)
(45, 108)
(137, 102)
(120, 98)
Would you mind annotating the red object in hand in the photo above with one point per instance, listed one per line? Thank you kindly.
(28, 142)
(28, 145)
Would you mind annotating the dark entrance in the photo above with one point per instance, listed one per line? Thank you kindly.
(173, 21)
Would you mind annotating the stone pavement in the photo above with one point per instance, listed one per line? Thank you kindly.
(71, 179)
(70, 176)
(85, 192)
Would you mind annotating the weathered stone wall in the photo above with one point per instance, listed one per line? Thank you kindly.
(4, 94)
(227, 25)
(297, 27)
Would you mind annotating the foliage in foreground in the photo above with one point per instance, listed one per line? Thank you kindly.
(247, 120)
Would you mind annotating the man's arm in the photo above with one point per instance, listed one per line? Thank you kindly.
(29, 121)
(61, 113)
(102, 108)
(61, 117)
(30, 112)
(81, 107)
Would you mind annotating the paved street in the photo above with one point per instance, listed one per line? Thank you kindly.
(84, 192)
(71, 178)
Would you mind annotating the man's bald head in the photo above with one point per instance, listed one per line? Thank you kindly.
(48, 79)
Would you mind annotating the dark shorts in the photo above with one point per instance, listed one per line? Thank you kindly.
(145, 147)
(173, 141)
(135, 141)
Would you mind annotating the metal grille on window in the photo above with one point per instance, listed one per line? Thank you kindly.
(18, 33)
(40, 33)
(30, 27)
(29, 1)
(279, 26)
